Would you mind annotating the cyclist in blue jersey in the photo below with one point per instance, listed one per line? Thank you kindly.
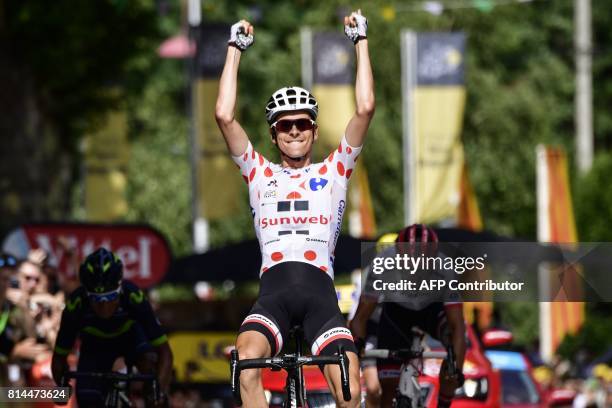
(297, 208)
(112, 318)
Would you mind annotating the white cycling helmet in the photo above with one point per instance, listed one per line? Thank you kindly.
(289, 99)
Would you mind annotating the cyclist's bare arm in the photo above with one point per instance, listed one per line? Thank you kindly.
(456, 324)
(235, 136)
(357, 127)
(362, 314)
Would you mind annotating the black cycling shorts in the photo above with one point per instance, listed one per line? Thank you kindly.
(395, 330)
(297, 293)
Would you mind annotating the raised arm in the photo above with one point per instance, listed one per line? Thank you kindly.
(235, 137)
(356, 29)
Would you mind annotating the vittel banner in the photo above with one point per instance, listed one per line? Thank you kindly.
(143, 250)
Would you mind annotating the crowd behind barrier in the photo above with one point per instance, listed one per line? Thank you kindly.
(32, 294)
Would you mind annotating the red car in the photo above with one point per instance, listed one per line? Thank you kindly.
(482, 381)
(317, 392)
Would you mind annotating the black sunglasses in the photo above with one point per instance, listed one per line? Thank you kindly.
(285, 125)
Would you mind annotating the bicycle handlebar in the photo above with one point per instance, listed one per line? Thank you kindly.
(288, 362)
(404, 354)
(111, 376)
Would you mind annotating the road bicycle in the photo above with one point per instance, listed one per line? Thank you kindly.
(409, 391)
(292, 363)
(117, 386)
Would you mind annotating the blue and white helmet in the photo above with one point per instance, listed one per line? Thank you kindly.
(289, 99)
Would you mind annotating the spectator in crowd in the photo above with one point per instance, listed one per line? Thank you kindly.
(17, 337)
(46, 310)
(592, 395)
(67, 279)
(30, 279)
(8, 263)
(40, 257)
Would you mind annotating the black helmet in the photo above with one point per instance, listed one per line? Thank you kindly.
(101, 271)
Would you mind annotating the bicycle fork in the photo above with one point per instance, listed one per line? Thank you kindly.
(409, 377)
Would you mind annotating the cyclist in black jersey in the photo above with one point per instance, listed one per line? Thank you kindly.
(441, 317)
(112, 318)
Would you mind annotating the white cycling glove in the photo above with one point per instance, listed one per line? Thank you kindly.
(238, 38)
(358, 32)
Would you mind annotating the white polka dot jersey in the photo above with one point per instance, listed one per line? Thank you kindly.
(297, 213)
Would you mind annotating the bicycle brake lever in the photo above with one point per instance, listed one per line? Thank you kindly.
(344, 374)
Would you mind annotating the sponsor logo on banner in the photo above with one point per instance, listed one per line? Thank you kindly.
(200, 357)
(143, 250)
(440, 58)
(334, 58)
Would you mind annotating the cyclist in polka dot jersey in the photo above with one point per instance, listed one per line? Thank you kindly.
(298, 211)
(297, 208)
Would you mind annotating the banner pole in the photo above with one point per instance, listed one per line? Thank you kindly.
(408, 56)
(200, 224)
(306, 54)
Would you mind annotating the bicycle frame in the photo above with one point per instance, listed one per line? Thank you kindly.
(409, 388)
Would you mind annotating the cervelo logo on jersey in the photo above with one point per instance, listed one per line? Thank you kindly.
(295, 220)
(341, 206)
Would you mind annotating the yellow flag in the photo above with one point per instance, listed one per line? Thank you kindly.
(434, 101)
(556, 224)
(438, 151)
(333, 87)
(219, 182)
(106, 158)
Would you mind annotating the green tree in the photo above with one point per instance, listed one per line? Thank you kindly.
(56, 59)
(593, 201)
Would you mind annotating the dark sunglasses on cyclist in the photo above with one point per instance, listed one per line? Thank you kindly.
(285, 125)
(104, 297)
(8, 261)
